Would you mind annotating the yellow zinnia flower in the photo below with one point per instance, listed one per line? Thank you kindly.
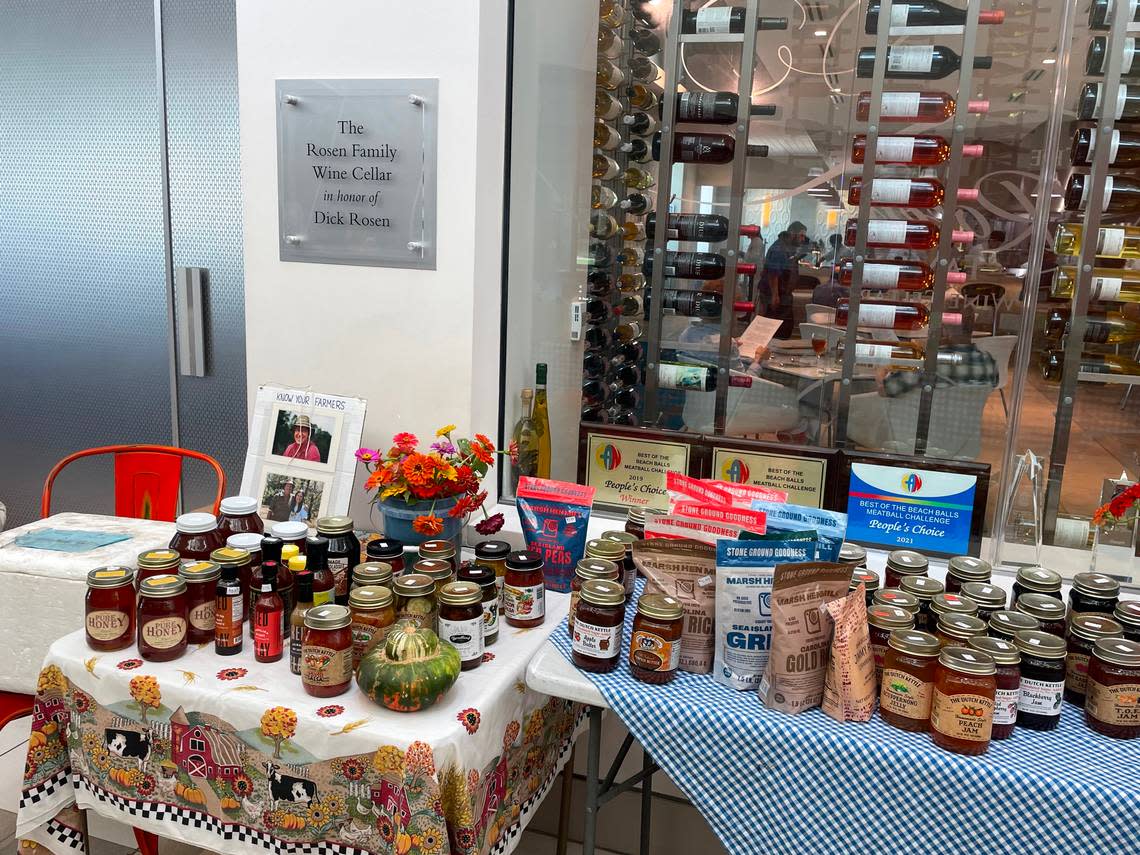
(445, 430)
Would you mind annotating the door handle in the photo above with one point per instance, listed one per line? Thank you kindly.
(191, 310)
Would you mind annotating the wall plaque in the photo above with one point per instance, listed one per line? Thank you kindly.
(804, 478)
(356, 171)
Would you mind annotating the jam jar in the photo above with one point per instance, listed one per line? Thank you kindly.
(326, 651)
(1127, 614)
(881, 622)
(1112, 706)
(439, 570)
(586, 569)
(655, 644)
(372, 573)
(1049, 611)
(962, 711)
(895, 597)
(344, 552)
(243, 560)
(109, 608)
(461, 621)
(196, 536)
(966, 568)
(1007, 659)
(415, 599)
(157, 562)
(238, 515)
(373, 611)
(1006, 623)
(956, 604)
(440, 550)
(387, 550)
(1093, 593)
(598, 625)
(629, 569)
(853, 555)
(1085, 630)
(1042, 679)
(488, 582)
(635, 522)
(869, 579)
(291, 533)
(902, 563)
(493, 554)
(923, 588)
(161, 619)
(908, 679)
(1035, 580)
(990, 598)
(201, 580)
(619, 553)
(524, 590)
(955, 630)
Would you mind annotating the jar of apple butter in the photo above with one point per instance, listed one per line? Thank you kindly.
(598, 625)
(162, 618)
(586, 569)
(109, 620)
(614, 550)
(629, 569)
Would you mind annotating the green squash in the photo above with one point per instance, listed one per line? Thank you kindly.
(411, 671)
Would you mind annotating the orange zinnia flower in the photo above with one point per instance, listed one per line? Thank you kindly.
(374, 480)
(418, 469)
(484, 441)
(482, 453)
(428, 524)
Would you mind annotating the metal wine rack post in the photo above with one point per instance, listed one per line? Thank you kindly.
(1090, 240)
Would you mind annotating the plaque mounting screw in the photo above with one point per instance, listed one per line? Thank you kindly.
(415, 246)
(292, 100)
(292, 240)
(416, 99)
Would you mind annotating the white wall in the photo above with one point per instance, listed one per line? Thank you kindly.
(421, 346)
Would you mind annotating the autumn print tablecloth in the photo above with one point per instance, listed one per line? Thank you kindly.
(232, 755)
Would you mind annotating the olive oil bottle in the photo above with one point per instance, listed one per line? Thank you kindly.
(541, 417)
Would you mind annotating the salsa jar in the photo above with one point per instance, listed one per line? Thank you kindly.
(524, 590)
(902, 563)
(290, 533)
(629, 568)
(966, 568)
(908, 680)
(196, 536)
(1007, 677)
(1112, 705)
(962, 711)
(157, 562)
(326, 651)
(439, 570)
(955, 630)
(655, 644)
(344, 552)
(109, 608)
(881, 622)
(461, 621)
(1085, 630)
(1006, 624)
(248, 577)
(415, 599)
(895, 597)
(1042, 679)
(373, 610)
(1049, 611)
(1093, 593)
(952, 604)
(238, 515)
(853, 555)
(488, 582)
(611, 549)
(586, 569)
(989, 598)
(493, 554)
(388, 550)
(201, 580)
(923, 589)
(868, 579)
(1127, 614)
(372, 573)
(161, 619)
(440, 550)
(1036, 580)
(598, 625)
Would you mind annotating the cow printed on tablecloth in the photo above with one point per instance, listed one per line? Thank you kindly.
(128, 744)
(286, 788)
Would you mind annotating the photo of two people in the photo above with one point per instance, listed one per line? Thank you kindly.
(290, 498)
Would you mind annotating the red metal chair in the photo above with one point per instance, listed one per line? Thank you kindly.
(147, 478)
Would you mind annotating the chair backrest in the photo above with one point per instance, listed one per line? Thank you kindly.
(764, 407)
(984, 293)
(816, 312)
(147, 478)
(833, 334)
(1000, 347)
(889, 424)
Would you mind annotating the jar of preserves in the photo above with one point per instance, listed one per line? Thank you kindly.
(109, 608)
(238, 515)
(250, 543)
(989, 598)
(373, 610)
(388, 550)
(908, 679)
(881, 622)
(1007, 678)
(854, 555)
(440, 550)
(655, 644)
(415, 599)
(923, 589)
(895, 597)
(635, 522)
(372, 573)
(1036, 580)
(344, 552)
(1049, 611)
(902, 563)
(1085, 630)
(955, 630)
(201, 580)
(1093, 593)
(629, 569)
(952, 604)
(291, 533)
(161, 618)
(493, 554)
(613, 550)
(962, 712)
(1112, 706)
(587, 569)
(196, 536)
(1127, 614)
(524, 590)
(461, 621)
(869, 580)
(1042, 679)
(1006, 624)
(966, 568)
(157, 562)
(326, 651)
(439, 570)
(488, 583)
(598, 624)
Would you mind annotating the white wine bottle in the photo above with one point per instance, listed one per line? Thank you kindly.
(1053, 361)
(1116, 242)
(1109, 284)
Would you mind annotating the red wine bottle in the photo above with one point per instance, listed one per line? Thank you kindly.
(905, 192)
(885, 314)
(705, 148)
(914, 107)
(922, 150)
(916, 62)
(1121, 194)
(1097, 55)
(1100, 14)
(695, 265)
(1096, 103)
(903, 234)
(714, 108)
(931, 17)
(1123, 148)
(698, 304)
(725, 19)
(597, 338)
(711, 228)
(599, 283)
(903, 275)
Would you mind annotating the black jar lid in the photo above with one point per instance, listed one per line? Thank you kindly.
(384, 548)
(524, 561)
(494, 550)
(480, 574)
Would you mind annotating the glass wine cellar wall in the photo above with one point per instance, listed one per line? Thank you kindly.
(931, 206)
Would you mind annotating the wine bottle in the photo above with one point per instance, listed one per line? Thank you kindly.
(711, 228)
(597, 393)
(914, 107)
(639, 178)
(1074, 532)
(595, 414)
(922, 150)
(628, 331)
(903, 275)
(605, 137)
(705, 148)
(610, 44)
(602, 225)
(600, 255)
(639, 122)
(698, 304)
(1100, 14)
(927, 17)
(1121, 194)
(630, 282)
(873, 354)
(1119, 242)
(1109, 284)
(725, 19)
(602, 198)
(905, 192)
(597, 311)
(645, 41)
(644, 69)
(1053, 361)
(916, 62)
(627, 353)
(525, 436)
(636, 150)
(597, 338)
(1123, 107)
(1123, 148)
(611, 14)
(623, 416)
(1097, 55)
(634, 203)
(541, 417)
(599, 283)
(695, 265)
(885, 314)
(594, 365)
(631, 307)
(604, 167)
(642, 97)
(714, 108)
(633, 230)
(629, 256)
(606, 106)
(903, 234)
(695, 378)
(624, 376)
(1101, 327)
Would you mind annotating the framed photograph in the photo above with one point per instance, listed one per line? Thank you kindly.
(308, 439)
(292, 497)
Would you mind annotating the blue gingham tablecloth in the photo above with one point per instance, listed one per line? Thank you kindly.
(774, 783)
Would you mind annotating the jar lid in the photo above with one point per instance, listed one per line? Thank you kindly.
(907, 562)
(110, 577)
(1001, 651)
(969, 569)
(480, 574)
(914, 642)
(636, 516)
(1090, 627)
(889, 617)
(603, 592)
(434, 568)
(626, 539)
(1041, 606)
(1118, 651)
(290, 530)
(413, 585)
(372, 573)
(923, 587)
(200, 571)
(1010, 622)
(370, 597)
(297, 563)
(869, 578)
(524, 561)
(967, 661)
(437, 549)
(984, 594)
(250, 541)
(961, 626)
(158, 559)
(1096, 585)
(604, 548)
(941, 604)
(196, 523)
(334, 525)
(895, 597)
(382, 547)
(496, 550)
(238, 505)
(327, 616)
(852, 553)
(596, 568)
(1127, 612)
(660, 606)
(290, 551)
(162, 586)
(1041, 644)
(230, 555)
(460, 594)
(1039, 579)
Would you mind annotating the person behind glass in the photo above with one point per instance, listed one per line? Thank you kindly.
(281, 503)
(302, 447)
(829, 293)
(781, 273)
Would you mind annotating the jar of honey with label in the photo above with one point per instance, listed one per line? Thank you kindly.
(157, 562)
(161, 618)
(110, 608)
(962, 711)
(655, 645)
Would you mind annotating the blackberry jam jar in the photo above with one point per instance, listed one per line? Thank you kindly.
(1042, 679)
(1093, 593)
(1036, 580)
(965, 568)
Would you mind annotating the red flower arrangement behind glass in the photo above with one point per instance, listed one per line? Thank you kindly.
(1115, 513)
(448, 474)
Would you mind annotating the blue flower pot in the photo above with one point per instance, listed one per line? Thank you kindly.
(398, 517)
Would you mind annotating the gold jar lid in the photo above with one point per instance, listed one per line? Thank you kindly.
(889, 617)
(370, 598)
(923, 587)
(1118, 651)
(967, 661)
(1090, 627)
(1096, 585)
(660, 606)
(969, 569)
(372, 573)
(159, 559)
(626, 539)
(1001, 651)
(1127, 613)
(907, 562)
(1039, 579)
(493, 550)
(895, 597)
(437, 549)
(853, 554)
(1041, 606)
(869, 578)
(984, 594)
(914, 642)
(941, 604)
(230, 555)
(1009, 622)
(334, 525)
(1043, 645)
(604, 548)
(460, 594)
(413, 585)
(437, 569)
(327, 616)
(603, 592)
(110, 577)
(200, 571)
(961, 626)
(597, 568)
(162, 586)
